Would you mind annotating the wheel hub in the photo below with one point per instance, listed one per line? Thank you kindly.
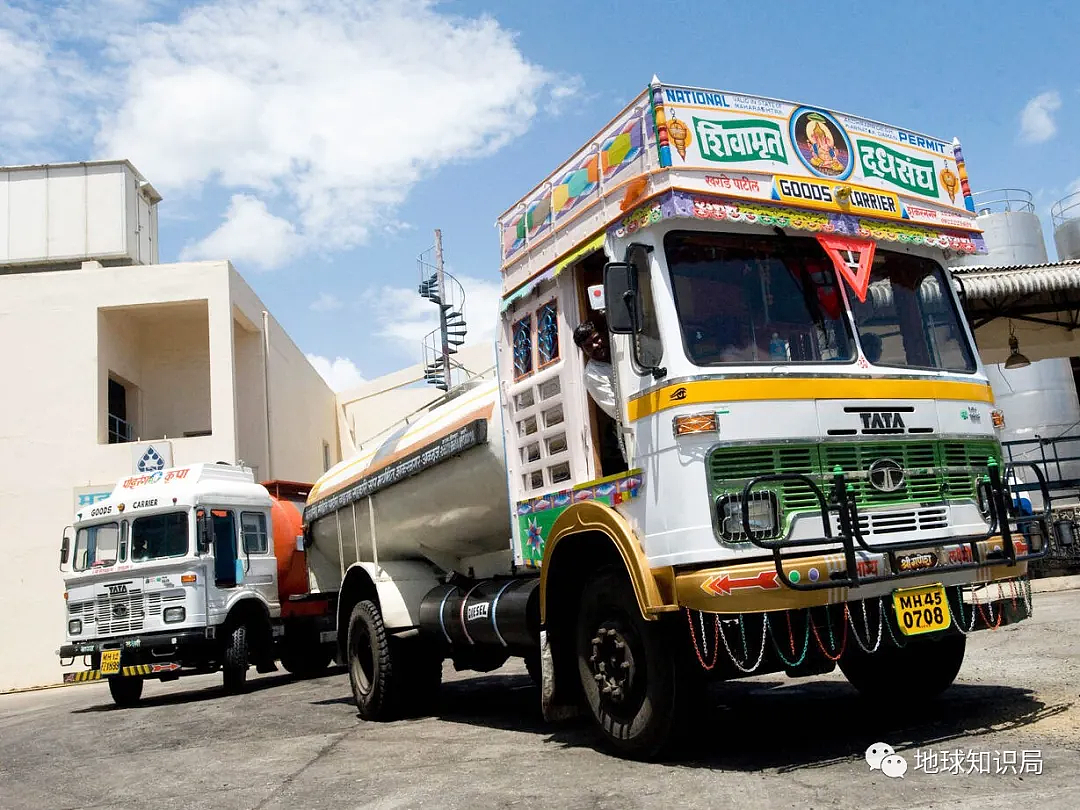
(612, 664)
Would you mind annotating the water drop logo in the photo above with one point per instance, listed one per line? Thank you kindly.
(151, 461)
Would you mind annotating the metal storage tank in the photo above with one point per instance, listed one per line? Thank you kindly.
(1039, 400)
(1065, 217)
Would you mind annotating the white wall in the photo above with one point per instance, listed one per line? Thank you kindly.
(303, 408)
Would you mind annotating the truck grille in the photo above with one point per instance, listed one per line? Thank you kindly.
(123, 613)
(938, 471)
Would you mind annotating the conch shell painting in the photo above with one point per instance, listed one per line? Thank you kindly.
(949, 181)
(680, 135)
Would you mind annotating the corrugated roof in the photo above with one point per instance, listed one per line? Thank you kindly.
(969, 269)
(986, 282)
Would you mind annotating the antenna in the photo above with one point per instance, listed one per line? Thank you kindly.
(442, 289)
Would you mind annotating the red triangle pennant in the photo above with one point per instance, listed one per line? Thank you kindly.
(855, 265)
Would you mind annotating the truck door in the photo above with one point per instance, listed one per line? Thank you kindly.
(223, 530)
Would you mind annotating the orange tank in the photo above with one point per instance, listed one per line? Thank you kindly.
(288, 523)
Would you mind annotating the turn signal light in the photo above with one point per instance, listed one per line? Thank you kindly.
(998, 418)
(187, 579)
(695, 423)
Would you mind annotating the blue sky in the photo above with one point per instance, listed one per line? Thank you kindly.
(317, 143)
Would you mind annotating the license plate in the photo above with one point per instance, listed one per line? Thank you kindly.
(921, 610)
(110, 662)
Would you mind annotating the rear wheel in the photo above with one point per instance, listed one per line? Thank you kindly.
(307, 658)
(235, 660)
(125, 691)
(628, 673)
(920, 670)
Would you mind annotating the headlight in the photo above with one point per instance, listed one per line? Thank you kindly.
(75, 627)
(764, 516)
(175, 614)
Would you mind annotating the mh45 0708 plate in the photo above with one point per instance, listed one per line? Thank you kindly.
(921, 610)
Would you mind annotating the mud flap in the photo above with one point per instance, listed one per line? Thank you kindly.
(552, 711)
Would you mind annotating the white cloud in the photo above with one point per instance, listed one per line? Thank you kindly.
(325, 303)
(250, 234)
(1037, 118)
(402, 315)
(341, 374)
(335, 107)
(36, 85)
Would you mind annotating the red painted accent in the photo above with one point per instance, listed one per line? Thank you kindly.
(723, 585)
(859, 280)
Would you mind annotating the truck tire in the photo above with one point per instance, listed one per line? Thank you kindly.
(125, 692)
(371, 670)
(306, 659)
(921, 670)
(235, 661)
(629, 673)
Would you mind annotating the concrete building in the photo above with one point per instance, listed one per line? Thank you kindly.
(115, 361)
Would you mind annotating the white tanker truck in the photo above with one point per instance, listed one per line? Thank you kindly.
(806, 435)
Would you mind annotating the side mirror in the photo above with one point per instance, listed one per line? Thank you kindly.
(622, 298)
(65, 547)
(203, 529)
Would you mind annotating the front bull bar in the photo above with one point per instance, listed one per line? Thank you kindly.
(1005, 521)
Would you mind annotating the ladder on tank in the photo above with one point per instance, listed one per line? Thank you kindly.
(445, 291)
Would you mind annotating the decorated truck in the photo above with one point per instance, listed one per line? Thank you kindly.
(739, 426)
(188, 570)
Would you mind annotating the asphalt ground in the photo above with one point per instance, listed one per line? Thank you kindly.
(764, 742)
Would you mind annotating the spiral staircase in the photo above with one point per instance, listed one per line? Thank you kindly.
(446, 292)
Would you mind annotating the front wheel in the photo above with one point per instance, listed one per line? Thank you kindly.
(125, 691)
(628, 672)
(921, 670)
(371, 671)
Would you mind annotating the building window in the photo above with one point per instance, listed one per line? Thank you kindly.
(325, 456)
(523, 353)
(253, 527)
(119, 425)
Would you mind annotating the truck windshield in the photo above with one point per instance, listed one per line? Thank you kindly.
(157, 536)
(908, 319)
(756, 299)
(96, 546)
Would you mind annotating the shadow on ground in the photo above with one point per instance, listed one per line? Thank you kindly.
(768, 723)
(212, 692)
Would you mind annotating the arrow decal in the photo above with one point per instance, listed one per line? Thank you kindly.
(722, 585)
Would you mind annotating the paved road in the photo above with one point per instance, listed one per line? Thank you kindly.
(767, 742)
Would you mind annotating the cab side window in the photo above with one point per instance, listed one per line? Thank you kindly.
(253, 529)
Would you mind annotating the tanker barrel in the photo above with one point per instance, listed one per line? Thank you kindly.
(492, 612)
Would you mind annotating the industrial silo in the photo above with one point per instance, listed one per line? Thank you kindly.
(1065, 217)
(1039, 400)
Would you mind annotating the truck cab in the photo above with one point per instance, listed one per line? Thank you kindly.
(175, 573)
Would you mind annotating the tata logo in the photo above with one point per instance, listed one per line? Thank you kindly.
(120, 610)
(678, 393)
(886, 475)
(881, 420)
(116, 590)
